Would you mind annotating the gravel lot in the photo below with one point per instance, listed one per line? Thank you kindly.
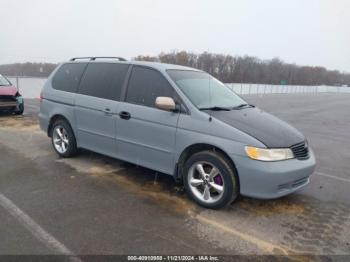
(93, 204)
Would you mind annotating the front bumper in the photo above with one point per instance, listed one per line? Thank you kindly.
(7, 105)
(10, 103)
(268, 180)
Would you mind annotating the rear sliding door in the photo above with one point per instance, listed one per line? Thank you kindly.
(97, 104)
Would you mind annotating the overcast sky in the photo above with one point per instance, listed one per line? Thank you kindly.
(306, 32)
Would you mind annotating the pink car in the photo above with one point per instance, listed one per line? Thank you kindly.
(10, 98)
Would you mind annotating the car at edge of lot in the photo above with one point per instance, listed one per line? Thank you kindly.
(10, 98)
(177, 120)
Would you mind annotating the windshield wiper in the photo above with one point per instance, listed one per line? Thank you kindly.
(226, 108)
(216, 108)
(242, 106)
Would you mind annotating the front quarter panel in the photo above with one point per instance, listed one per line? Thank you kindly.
(197, 129)
(258, 179)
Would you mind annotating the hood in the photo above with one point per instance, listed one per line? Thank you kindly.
(271, 131)
(8, 90)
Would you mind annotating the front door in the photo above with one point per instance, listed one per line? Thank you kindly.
(145, 134)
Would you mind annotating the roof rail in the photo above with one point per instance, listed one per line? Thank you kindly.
(98, 57)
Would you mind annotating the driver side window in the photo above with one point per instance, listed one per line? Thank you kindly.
(145, 85)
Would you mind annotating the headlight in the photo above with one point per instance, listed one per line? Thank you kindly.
(263, 154)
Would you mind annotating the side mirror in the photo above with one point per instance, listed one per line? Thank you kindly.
(165, 103)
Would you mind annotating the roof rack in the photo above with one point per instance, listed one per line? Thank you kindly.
(99, 57)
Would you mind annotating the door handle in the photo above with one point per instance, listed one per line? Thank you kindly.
(124, 115)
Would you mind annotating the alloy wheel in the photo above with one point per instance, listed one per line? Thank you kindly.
(206, 182)
(60, 139)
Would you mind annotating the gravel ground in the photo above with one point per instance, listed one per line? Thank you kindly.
(93, 204)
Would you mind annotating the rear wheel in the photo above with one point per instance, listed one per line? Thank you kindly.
(210, 180)
(63, 139)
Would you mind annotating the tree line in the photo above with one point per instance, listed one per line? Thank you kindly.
(227, 68)
(27, 69)
(248, 69)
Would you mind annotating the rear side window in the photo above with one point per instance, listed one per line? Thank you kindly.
(103, 80)
(68, 76)
(145, 85)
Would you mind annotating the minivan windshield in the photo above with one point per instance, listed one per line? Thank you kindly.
(204, 91)
(4, 81)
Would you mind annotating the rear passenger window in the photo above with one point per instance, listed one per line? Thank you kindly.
(103, 80)
(145, 85)
(68, 76)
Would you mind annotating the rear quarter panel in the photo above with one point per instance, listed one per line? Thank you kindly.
(56, 102)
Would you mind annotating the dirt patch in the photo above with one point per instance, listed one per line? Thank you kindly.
(272, 207)
(18, 122)
(157, 191)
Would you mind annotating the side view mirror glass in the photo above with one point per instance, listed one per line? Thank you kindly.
(165, 103)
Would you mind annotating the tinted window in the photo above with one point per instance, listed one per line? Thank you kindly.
(145, 85)
(103, 80)
(68, 76)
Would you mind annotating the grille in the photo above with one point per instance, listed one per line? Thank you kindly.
(7, 99)
(301, 151)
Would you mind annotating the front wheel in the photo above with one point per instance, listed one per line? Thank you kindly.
(210, 180)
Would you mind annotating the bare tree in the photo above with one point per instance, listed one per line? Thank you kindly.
(227, 68)
(248, 69)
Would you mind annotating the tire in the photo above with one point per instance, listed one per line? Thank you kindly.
(65, 144)
(226, 179)
(20, 110)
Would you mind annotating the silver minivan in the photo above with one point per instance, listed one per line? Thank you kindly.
(177, 120)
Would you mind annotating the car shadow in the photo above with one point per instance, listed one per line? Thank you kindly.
(137, 174)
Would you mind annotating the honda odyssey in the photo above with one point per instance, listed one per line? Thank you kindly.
(176, 120)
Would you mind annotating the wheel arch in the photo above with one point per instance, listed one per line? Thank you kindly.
(55, 118)
(195, 148)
